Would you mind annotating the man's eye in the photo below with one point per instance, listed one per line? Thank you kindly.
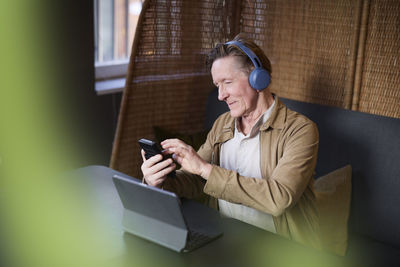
(228, 82)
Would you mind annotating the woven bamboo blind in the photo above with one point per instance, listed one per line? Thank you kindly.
(311, 45)
(339, 53)
(379, 91)
(167, 84)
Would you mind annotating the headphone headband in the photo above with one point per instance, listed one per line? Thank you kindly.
(250, 54)
(259, 78)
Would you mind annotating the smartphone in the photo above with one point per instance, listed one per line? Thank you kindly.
(151, 149)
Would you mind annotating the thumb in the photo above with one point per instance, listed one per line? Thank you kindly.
(143, 155)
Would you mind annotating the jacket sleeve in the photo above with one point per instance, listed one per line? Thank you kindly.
(285, 185)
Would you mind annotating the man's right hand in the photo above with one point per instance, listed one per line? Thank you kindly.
(155, 169)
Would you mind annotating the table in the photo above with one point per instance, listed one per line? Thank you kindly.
(241, 244)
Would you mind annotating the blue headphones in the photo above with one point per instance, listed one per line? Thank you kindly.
(259, 78)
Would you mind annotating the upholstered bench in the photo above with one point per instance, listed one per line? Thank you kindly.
(370, 144)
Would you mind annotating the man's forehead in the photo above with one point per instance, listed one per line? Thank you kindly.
(225, 64)
(226, 59)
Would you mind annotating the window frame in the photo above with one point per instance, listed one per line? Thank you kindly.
(109, 75)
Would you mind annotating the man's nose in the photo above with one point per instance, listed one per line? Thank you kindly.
(221, 93)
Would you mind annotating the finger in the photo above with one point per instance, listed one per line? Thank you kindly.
(167, 170)
(154, 169)
(160, 176)
(152, 161)
(143, 155)
(155, 180)
(167, 151)
(164, 174)
(168, 144)
(179, 151)
(177, 158)
(172, 142)
(160, 166)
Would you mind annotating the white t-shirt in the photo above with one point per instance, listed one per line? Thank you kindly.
(242, 154)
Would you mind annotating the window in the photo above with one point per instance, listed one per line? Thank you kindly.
(114, 25)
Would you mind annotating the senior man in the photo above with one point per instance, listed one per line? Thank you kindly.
(258, 161)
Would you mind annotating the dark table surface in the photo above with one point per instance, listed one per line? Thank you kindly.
(241, 244)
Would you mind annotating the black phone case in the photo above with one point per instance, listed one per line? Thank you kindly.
(151, 149)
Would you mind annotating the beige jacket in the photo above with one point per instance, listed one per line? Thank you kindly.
(289, 146)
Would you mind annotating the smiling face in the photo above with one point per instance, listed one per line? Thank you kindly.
(233, 86)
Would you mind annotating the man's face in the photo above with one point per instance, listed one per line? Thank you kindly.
(233, 86)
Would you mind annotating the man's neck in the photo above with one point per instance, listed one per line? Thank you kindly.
(247, 121)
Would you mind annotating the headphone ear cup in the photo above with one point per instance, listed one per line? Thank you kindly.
(259, 79)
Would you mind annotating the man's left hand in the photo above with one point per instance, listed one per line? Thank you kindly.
(187, 157)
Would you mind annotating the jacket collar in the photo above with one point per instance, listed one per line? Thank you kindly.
(278, 116)
(275, 121)
(227, 131)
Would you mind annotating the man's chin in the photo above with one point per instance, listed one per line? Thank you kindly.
(235, 114)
